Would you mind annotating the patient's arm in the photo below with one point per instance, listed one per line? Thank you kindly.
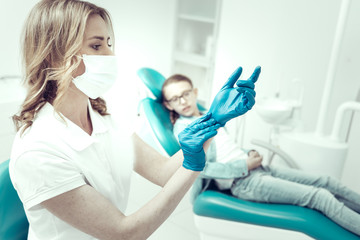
(229, 170)
(254, 160)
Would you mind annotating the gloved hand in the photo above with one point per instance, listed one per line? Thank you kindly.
(193, 137)
(230, 101)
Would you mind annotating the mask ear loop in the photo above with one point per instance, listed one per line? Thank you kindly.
(78, 56)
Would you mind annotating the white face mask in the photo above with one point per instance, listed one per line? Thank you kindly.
(101, 72)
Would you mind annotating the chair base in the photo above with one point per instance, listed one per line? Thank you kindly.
(219, 229)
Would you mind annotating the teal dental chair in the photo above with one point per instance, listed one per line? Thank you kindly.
(13, 222)
(153, 80)
(231, 217)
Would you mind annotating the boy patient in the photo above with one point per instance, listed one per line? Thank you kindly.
(244, 175)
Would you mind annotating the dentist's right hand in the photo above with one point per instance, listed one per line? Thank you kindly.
(192, 139)
(230, 101)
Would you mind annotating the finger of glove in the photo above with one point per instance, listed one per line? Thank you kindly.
(204, 125)
(184, 136)
(254, 77)
(195, 124)
(250, 100)
(232, 79)
(201, 133)
(245, 84)
(215, 127)
(243, 90)
(197, 130)
(210, 134)
(205, 117)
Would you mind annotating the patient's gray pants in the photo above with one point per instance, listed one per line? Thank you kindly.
(290, 186)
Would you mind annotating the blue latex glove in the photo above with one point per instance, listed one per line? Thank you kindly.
(230, 101)
(193, 137)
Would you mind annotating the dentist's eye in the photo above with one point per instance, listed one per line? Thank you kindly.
(96, 47)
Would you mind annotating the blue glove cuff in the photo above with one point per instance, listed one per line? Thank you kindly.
(194, 161)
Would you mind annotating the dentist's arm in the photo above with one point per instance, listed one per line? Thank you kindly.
(158, 168)
(87, 210)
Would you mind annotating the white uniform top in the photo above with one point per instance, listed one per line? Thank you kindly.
(53, 157)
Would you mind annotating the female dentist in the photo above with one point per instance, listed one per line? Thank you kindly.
(71, 164)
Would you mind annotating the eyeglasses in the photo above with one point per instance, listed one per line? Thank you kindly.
(185, 95)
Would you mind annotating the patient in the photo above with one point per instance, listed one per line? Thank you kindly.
(243, 174)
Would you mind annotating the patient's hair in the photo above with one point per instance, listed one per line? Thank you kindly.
(52, 40)
(174, 79)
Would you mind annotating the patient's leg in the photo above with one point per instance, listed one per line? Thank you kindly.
(344, 194)
(266, 188)
(349, 204)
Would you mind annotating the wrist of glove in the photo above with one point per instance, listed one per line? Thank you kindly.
(194, 161)
(192, 139)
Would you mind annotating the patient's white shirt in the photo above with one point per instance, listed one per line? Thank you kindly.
(227, 151)
(53, 157)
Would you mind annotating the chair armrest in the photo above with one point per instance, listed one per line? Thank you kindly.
(286, 157)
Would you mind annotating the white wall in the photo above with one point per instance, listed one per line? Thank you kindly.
(144, 32)
(144, 37)
(12, 18)
(289, 39)
(292, 39)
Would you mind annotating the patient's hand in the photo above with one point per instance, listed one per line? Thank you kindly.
(254, 160)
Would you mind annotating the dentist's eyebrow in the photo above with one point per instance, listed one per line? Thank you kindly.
(97, 37)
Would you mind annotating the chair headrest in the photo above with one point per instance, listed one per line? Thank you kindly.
(159, 119)
(153, 80)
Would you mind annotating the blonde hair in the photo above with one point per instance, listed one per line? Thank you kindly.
(52, 39)
(174, 79)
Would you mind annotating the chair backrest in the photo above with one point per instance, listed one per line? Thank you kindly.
(153, 80)
(158, 116)
(159, 119)
(13, 222)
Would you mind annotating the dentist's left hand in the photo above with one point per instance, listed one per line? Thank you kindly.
(230, 101)
(192, 139)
